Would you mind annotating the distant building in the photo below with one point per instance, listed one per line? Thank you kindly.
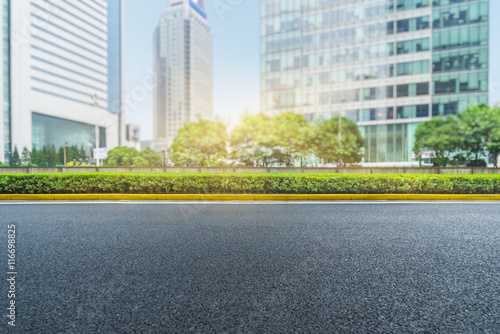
(388, 65)
(62, 74)
(183, 67)
(133, 136)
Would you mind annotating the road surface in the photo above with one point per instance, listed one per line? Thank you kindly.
(254, 267)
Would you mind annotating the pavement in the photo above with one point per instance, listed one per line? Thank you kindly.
(295, 267)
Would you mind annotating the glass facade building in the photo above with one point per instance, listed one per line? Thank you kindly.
(7, 147)
(62, 68)
(48, 131)
(386, 64)
(183, 69)
(114, 55)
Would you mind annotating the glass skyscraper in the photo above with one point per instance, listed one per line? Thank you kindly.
(62, 67)
(183, 69)
(5, 66)
(386, 64)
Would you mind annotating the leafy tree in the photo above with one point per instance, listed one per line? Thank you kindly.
(25, 156)
(494, 140)
(326, 143)
(474, 127)
(468, 136)
(140, 162)
(202, 143)
(439, 137)
(288, 136)
(83, 153)
(15, 160)
(60, 154)
(52, 158)
(152, 157)
(248, 141)
(73, 153)
(122, 157)
(130, 157)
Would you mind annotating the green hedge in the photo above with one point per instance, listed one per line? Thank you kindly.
(183, 183)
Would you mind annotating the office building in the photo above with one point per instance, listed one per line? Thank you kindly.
(386, 64)
(62, 69)
(183, 69)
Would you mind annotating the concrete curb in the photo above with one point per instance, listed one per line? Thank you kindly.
(247, 197)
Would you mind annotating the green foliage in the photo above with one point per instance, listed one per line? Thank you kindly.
(469, 136)
(249, 141)
(201, 143)
(439, 137)
(190, 183)
(130, 157)
(287, 139)
(25, 156)
(152, 157)
(326, 143)
(15, 160)
(46, 157)
(121, 156)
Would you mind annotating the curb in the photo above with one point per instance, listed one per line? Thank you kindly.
(247, 197)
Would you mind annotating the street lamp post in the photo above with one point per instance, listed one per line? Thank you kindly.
(65, 147)
(340, 141)
(341, 159)
(90, 152)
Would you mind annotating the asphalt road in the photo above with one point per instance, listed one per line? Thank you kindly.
(254, 268)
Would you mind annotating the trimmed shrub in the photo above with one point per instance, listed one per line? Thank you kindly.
(194, 183)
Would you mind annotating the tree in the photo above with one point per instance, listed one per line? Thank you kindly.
(121, 157)
(152, 157)
(474, 126)
(439, 137)
(203, 143)
(73, 153)
(52, 157)
(15, 160)
(139, 161)
(83, 153)
(493, 143)
(469, 136)
(130, 157)
(288, 136)
(326, 143)
(25, 156)
(248, 141)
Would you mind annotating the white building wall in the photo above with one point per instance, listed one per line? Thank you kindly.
(2, 140)
(59, 66)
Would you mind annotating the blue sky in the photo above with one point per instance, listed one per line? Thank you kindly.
(236, 59)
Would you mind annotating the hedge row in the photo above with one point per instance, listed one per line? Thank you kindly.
(182, 183)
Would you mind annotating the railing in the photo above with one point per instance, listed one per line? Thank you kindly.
(352, 170)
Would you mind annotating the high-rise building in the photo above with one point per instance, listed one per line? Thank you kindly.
(183, 69)
(386, 64)
(62, 70)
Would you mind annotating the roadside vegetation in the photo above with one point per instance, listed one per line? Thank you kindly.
(469, 138)
(254, 183)
(259, 140)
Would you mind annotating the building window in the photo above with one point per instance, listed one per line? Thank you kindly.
(48, 131)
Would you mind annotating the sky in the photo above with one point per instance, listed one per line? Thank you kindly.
(236, 59)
